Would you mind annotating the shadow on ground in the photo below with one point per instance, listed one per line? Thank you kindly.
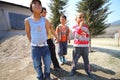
(112, 52)
(63, 75)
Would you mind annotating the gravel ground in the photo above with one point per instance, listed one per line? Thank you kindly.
(16, 63)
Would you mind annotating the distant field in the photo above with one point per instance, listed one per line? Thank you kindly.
(111, 42)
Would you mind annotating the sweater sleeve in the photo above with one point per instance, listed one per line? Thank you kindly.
(79, 31)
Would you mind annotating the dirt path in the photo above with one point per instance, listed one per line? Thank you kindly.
(16, 63)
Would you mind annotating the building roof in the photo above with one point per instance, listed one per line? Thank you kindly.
(4, 2)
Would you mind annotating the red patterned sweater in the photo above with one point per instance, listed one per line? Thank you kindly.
(81, 36)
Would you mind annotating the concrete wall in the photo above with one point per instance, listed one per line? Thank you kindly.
(3, 21)
(5, 9)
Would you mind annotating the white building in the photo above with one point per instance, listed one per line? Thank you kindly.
(12, 16)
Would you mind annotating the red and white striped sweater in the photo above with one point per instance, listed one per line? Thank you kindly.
(81, 36)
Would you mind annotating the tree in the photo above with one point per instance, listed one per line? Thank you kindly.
(96, 12)
(57, 9)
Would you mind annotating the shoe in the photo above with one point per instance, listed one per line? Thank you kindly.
(48, 78)
(92, 77)
(72, 73)
(64, 60)
(58, 69)
(60, 60)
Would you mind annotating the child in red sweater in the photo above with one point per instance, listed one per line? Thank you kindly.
(81, 44)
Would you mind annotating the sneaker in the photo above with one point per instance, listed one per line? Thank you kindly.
(72, 73)
(48, 78)
(60, 60)
(58, 69)
(64, 60)
(92, 77)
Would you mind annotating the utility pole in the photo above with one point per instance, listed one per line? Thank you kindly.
(118, 37)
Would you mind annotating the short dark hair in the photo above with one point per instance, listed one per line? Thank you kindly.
(33, 2)
(43, 8)
(63, 16)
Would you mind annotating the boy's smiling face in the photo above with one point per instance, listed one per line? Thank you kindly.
(36, 7)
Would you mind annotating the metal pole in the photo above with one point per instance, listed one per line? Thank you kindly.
(118, 37)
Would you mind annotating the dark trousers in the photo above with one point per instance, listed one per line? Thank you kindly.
(53, 53)
(77, 53)
(62, 50)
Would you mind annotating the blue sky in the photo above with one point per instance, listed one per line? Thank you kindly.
(114, 16)
(114, 7)
(71, 9)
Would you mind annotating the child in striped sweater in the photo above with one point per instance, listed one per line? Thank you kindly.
(81, 44)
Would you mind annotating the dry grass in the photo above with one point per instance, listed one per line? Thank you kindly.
(110, 42)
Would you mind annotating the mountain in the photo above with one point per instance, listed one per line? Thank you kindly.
(115, 23)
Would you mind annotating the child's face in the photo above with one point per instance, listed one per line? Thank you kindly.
(80, 17)
(44, 13)
(36, 7)
(62, 20)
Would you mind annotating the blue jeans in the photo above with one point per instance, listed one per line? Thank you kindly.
(77, 53)
(39, 53)
(62, 49)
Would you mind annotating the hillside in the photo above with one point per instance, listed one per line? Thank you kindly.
(115, 23)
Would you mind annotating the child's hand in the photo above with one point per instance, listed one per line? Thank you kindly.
(57, 41)
(68, 41)
(81, 23)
